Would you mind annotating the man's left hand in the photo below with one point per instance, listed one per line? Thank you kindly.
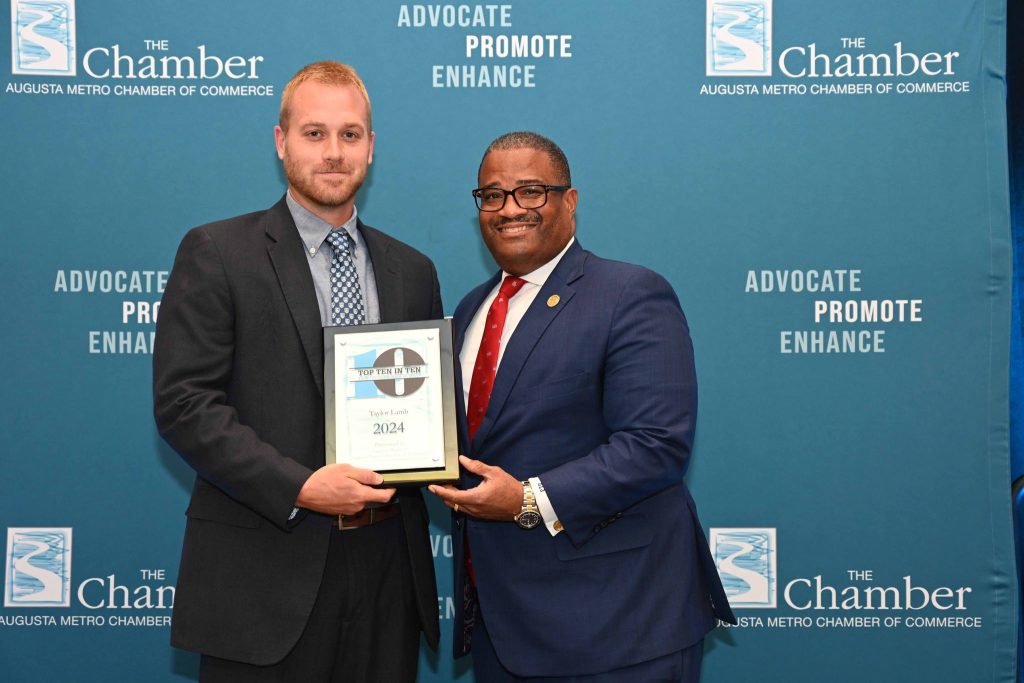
(499, 496)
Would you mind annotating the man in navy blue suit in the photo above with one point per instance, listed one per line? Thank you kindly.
(579, 555)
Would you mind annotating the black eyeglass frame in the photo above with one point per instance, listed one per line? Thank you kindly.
(507, 193)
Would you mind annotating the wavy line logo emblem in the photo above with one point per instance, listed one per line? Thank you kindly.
(43, 37)
(38, 567)
(739, 40)
(746, 563)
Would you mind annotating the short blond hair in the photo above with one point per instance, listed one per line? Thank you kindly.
(327, 73)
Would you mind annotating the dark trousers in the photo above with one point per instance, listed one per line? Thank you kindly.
(677, 667)
(363, 627)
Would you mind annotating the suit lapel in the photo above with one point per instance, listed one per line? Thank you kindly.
(388, 276)
(529, 331)
(471, 305)
(287, 254)
(463, 317)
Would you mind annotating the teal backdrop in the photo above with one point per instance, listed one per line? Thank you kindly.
(825, 185)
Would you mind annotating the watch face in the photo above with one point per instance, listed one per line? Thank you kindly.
(528, 519)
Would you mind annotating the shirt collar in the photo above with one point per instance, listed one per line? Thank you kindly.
(313, 229)
(540, 276)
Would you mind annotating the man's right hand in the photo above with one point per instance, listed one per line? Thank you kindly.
(342, 490)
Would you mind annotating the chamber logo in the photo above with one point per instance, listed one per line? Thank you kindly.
(746, 562)
(38, 567)
(43, 37)
(739, 38)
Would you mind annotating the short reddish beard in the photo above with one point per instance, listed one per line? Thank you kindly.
(305, 183)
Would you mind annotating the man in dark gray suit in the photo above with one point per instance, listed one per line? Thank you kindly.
(286, 573)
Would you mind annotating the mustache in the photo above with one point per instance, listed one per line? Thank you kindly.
(525, 218)
(338, 167)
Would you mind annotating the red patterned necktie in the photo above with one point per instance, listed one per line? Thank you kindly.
(479, 396)
(487, 357)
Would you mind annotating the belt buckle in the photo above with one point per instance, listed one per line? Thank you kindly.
(341, 520)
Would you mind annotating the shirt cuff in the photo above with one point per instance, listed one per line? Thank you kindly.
(547, 511)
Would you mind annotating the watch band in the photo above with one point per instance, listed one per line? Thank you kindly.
(529, 516)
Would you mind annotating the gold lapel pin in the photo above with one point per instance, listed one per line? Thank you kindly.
(553, 300)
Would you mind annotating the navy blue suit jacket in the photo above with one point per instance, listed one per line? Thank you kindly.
(597, 396)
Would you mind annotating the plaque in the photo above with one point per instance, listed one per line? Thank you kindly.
(389, 393)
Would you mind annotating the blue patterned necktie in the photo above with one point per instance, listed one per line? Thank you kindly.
(346, 296)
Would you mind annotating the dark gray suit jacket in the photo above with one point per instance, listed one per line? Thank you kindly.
(238, 393)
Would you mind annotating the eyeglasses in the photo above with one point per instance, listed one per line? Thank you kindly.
(525, 196)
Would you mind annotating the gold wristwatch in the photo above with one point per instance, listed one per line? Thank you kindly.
(529, 517)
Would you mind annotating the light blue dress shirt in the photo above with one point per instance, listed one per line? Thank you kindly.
(313, 232)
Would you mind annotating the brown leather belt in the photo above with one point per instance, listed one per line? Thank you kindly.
(367, 516)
